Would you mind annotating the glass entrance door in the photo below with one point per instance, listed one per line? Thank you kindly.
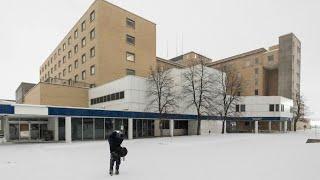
(143, 128)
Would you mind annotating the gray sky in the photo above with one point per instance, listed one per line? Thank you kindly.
(31, 29)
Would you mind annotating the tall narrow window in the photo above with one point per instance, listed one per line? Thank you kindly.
(92, 16)
(70, 68)
(64, 72)
(237, 108)
(76, 34)
(83, 58)
(83, 42)
(256, 92)
(92, 52)
(131, 40)
(76, 64)
(83, 75)
(271, 107)
(76, 78)
(64, 59)
(92, 34)
(76, 48)
(64, 46)
(69, 54)
(243, 108)
(92, 70)
(131, 23)
(130, 56)
(277, 107)
(69, 40)
(83, 26)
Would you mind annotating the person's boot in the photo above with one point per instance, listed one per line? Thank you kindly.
(117, 172)
(111, 172)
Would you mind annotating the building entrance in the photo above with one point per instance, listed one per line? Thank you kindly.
(143, 128)
(27, 129)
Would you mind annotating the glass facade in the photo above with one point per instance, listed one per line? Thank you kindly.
(61, 126)
(143, 128)
(27, 129)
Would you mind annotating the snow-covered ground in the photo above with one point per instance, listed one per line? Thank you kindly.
(220, 157)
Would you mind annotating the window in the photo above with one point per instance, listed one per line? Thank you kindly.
(92, 16)
(59, 63)
(92, 34)
(76, 48)
(271, 107)
(180, 124)
(131, 72)
(130, 56)
(69, 40)
(76, 78)
(277, 107)
(270, 58)
(83, 42)
(55, 55)
(83, 26)
(92, 52)
(51, 70)
(70, 68)
(282, 108)
(83, 75)
(59, 76)
(256, 92)
(165, 124)
(122, 95)
(256, 60)
(243, 108)
(64, 72)
(76, 34)
(55, 67)
(70, 82)
(131, 40)
(76, 64)
(93, 70)
(131, 23)
(256, 70)
(64, 46)
(69, 54)
(237, 108)
(83, 58)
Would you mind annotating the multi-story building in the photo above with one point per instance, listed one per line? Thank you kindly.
(95, 82)
(272, 72)
(107, 43)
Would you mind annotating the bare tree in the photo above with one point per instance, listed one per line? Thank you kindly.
(161, 93)
(198, 89)
(299, 110)
(228, 94)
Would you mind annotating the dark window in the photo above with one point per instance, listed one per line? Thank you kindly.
(92, 34)
(282, 108)
(92, 16)
(237, 108)
(270, 58)
(131, 72)
(92, 101)
(271, 107)
(113, 97)
(256, 92)
(131, 23)
(243, 108)
(104, 98)
(131, 40)
(117, 96)
(109, 98)
(277, 107)
(247, 123)
(165, 124)
(181, 124)
(122, 95)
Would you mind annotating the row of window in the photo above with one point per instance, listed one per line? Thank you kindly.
(75, 36)
(272, 107)
(76, 63)
(177, 124)
(276, 107)
(107, 98)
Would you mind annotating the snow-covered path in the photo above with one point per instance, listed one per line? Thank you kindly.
(220, 157)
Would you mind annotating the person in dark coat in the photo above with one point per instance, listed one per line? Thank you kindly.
(115, 139)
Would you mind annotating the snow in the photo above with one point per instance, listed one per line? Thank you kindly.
(220, 157)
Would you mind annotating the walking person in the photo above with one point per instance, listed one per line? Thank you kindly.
(115, 140)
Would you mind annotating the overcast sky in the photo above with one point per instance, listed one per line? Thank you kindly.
(30, 30)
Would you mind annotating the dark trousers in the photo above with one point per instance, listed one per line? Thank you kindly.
(114, 159)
